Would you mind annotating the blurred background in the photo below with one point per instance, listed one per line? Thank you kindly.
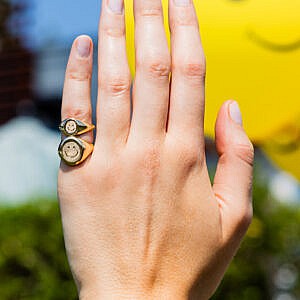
(35, 38)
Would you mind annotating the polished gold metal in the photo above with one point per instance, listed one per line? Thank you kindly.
(73, 151)
(72, 126)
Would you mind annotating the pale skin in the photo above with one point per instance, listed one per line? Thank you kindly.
(141, 218)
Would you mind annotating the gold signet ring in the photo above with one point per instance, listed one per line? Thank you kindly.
(73, 151)
(74, 127)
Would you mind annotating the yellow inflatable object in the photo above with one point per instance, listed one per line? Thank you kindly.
(253, 56)
(284, 148)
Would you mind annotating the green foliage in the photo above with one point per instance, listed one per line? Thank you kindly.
(33, 263)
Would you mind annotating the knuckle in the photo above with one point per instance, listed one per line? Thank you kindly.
(193, 70)
(116, 32)
(188, 154)
(116, 84)
(81, 112)
(184, 20)
(149, 159)
(154, 11)
(109, 176)
(158, 68)
(246, 153)
(78, 76)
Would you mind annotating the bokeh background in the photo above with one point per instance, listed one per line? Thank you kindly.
(35, 38)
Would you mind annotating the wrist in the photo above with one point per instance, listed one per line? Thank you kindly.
(127, 294)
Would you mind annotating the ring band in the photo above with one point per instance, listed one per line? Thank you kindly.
(72, 126)
(73, 151)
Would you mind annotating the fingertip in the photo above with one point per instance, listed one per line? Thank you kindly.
(83, 37)
(234, 112)
(221, 117)
(83, 45)
(229, 127)
(230, 113)
(221, 125)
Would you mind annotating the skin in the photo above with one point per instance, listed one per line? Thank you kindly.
(141, 218)
(252, 49)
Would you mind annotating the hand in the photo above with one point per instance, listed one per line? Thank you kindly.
(140, 217)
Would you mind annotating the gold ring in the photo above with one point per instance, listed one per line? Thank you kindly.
(73, 151)
(72, 126)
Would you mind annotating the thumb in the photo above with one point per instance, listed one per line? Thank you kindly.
(233, 179)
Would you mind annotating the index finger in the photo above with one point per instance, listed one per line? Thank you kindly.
(188, 71)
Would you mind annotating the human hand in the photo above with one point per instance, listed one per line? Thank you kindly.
(141, 219)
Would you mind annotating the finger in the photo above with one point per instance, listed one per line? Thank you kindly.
(76, 102)
(114, 77)
(233, 179)
(188, 71)
(151, 86)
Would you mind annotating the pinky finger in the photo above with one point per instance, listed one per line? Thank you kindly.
(76, 101)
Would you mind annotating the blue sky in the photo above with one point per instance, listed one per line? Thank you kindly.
(61, 20)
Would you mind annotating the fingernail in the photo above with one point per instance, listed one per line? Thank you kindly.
(235, 113)
(83, 46)
(182, 2)
(116, 6)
